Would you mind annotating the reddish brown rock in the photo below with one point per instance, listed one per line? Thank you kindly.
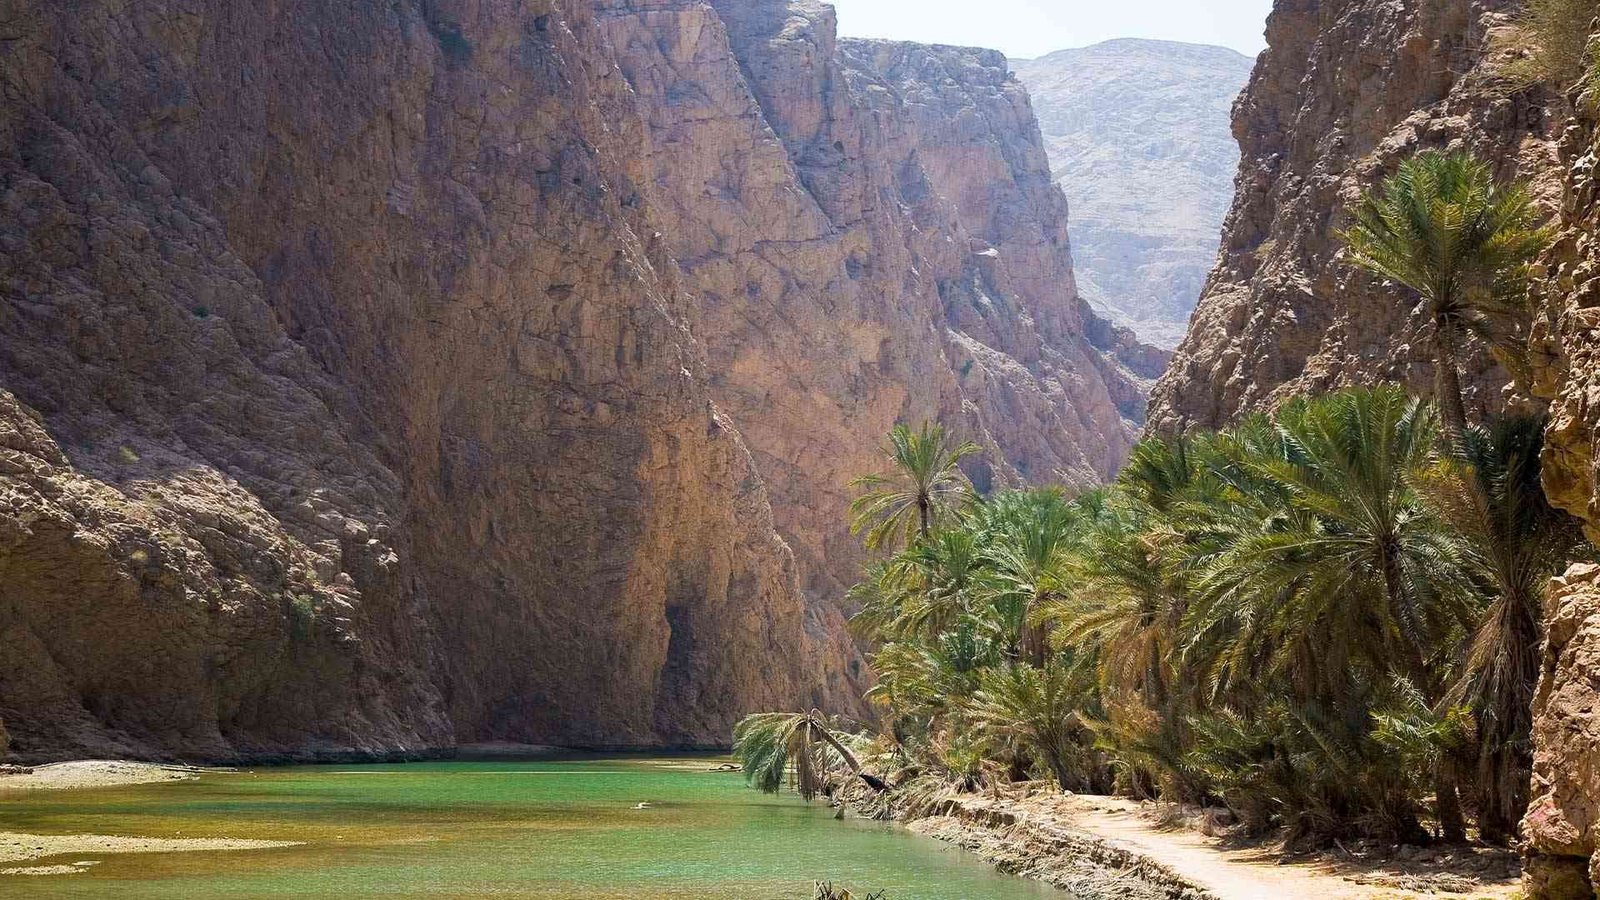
(1562, 826)
(1563, 823)
(872, 236)
(380, 376)
(361, 305)
(1344, 92)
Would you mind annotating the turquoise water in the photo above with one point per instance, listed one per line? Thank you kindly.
(549, 829)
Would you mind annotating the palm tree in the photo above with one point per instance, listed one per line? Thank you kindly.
(799, 747)
(901, 506)
(1492, 495)
(921, 681)
(1122, 609)
(1030, 536)
(945, 568)
(1354, 570)
(1034, 709)
(1443, 228)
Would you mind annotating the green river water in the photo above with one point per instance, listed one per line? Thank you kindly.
(547, 829)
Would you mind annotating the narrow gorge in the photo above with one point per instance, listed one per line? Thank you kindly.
(389, 377)
(479, 381)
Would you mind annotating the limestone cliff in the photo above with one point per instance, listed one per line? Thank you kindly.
(1343, 92)
(872, 236)
(1562, 827)
(369, 416)
(379, 377)
(1139, 140)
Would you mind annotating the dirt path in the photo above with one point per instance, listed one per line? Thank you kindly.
(1104, 848)
(1253, 874)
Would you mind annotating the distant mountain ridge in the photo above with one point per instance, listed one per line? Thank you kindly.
(1139, 138)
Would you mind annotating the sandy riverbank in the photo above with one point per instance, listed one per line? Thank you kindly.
(20, 847)
(92, 773)
(1101, 848)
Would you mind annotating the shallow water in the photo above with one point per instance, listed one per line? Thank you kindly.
(550, 829)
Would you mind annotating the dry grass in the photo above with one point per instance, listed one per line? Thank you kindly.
(1551, 41)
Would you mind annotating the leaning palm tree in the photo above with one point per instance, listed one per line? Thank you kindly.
(798, 747)
(1493, 497)
(900, 506)
(1356, 571)
(1444, 228)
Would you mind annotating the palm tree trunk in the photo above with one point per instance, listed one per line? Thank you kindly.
(1447, 798)
(923, 505)
(1050, 746)
(849, 758)
(1035, 644)
(1506, 759)
(1447, 384)
(1497, 813)
(1452, 823)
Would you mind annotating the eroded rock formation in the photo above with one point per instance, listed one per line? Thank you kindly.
(1344, 92)
(1562, 827)
(1563, 822)
(382, 377)
(871, 234)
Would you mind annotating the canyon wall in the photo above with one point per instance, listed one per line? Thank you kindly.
(381, 377)
(371, 416)
(1342, 94)
(871, 235)
(1562, 827)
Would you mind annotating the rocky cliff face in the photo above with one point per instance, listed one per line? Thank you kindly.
(1343, 92)
(1563, 822)
(381, 377)
(371, 417)
(1138, 137)
(872, 236)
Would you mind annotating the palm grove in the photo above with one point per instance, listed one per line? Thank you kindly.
(1325, 618)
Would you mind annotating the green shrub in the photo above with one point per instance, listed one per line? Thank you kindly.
(302, 615)
(1555, 35)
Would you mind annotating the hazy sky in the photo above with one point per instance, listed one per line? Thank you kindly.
(1029, 28)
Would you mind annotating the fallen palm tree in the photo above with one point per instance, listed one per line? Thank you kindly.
(798, 748)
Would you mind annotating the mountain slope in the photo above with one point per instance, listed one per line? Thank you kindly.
(1139, 139)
